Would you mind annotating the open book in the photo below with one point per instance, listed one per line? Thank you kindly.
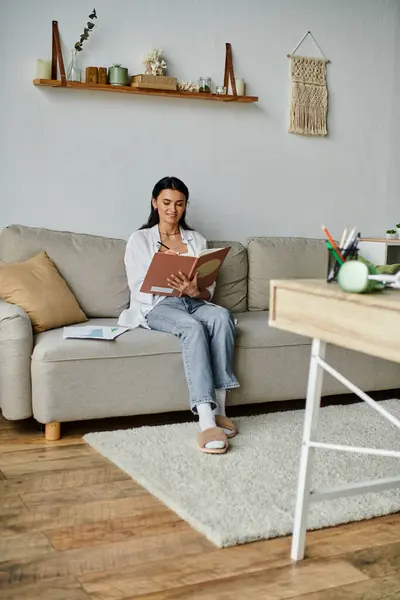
(163, 265)
(93, 332)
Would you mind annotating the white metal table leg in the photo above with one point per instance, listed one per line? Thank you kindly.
(313, 402)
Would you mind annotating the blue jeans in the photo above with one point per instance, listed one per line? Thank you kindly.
(207, 336)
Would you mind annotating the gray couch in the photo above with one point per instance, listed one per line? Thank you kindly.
(58, 380)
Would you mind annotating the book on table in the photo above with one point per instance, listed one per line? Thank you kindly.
(163, 265)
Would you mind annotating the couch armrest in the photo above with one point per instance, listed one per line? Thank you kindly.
(16, 343)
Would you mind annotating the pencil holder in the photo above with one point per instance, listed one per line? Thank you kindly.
(334, 265)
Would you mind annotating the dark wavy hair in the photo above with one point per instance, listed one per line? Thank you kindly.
(167, 183)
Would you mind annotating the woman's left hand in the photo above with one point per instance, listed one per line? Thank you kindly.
(184, 285)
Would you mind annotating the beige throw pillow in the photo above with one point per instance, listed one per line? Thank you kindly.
(36, 286)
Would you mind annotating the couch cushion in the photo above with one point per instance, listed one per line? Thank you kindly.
(92, 266)
(253, 331)
(51, 347)
(282, 258)
(231, 289)
(65, 389)
(36, 286)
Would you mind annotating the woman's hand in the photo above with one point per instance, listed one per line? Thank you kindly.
(184, 285)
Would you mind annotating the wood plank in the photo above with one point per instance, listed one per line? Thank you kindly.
(99, 558)
(124, 488)
(46, 454)
(384, 588)
(61, 480)
(9, 442)
(29, 545)
(55, 589)
(5, 424)
(18, 428)
(238, 560)
(75, 514)
(131, 547)
(353, 537)
(11, 506)
(126, 89)
(168, 574)
(275, 584)
(72, 463)
(154, 522)
(2, 476)
(377, 562)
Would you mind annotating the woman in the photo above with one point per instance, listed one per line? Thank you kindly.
(206, 331)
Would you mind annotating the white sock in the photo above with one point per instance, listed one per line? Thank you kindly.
(206, 421)
(220, 396)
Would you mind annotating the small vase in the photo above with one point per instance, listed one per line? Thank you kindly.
(118, 75)
(74, 72)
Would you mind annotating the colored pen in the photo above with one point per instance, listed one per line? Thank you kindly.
(339, 260)
(334, 246)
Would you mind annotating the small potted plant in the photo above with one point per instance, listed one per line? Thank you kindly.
(117, 75)
(391, 234)
(398, 230)
(205, 85)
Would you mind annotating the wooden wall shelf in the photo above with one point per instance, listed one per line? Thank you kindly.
(394, 242)
(126, 89)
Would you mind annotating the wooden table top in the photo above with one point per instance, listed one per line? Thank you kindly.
(368, 323)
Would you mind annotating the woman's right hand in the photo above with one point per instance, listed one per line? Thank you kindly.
(171, 252)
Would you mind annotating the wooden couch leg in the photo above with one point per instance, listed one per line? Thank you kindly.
(52, 431)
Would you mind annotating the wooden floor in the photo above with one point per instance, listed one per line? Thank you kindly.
(74, 527)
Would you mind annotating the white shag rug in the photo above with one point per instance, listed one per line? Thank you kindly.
(249, 493)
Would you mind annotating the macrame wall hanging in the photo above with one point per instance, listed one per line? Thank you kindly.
(309, 102)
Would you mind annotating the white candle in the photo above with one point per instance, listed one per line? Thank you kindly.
(239, 86)
(43, 69)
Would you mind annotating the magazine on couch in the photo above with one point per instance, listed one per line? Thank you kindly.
(93, 332)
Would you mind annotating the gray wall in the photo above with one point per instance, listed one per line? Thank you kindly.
(87, 161)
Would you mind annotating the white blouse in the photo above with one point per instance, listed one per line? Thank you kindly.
(140, 249)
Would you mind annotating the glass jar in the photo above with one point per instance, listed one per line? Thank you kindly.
(74, 71)
(221, 90)
(205, 84)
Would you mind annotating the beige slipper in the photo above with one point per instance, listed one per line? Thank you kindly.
(213, 434)
(225, 423)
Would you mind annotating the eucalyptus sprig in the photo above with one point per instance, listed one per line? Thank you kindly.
(86, 31)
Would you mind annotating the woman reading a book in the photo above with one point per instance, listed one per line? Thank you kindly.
(206, 331)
